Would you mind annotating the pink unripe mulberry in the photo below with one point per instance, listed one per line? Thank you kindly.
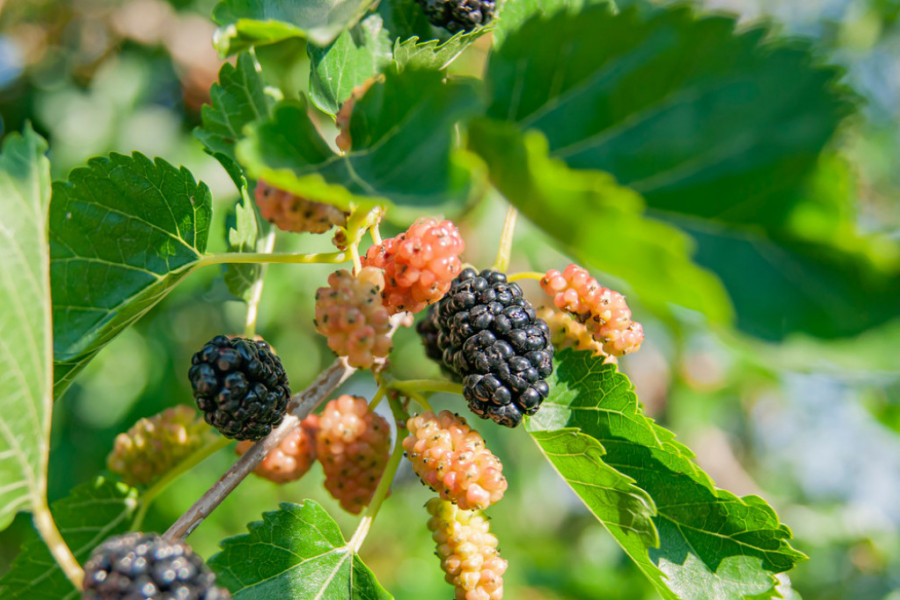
(566, 331)
(289, 212)
(604, 312)
(292, 458)
(468, 551)
(452, 459)
(418, 264)
(353, 446)
(350, 314)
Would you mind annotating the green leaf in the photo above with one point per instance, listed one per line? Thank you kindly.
(697, 118)
(243, 236)
(403, 138)
(712, 544)
(782, 286)
(397, 34)
(26, 384)
(599, 222)
(357, 54)
(92, 513)
(514, 13)
(123, 232)
(611, 496)
(245, 23)
(238, 99)
(296, 552)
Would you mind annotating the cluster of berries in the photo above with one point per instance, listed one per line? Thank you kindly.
(603, 312)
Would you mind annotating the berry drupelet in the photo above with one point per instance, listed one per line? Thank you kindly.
(458, 15)
(141, 565)
(241, 387)
(491, 337)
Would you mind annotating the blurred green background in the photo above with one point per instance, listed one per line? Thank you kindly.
(813, 427)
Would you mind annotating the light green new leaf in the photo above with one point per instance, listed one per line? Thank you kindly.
(357, 54)
(296, 552)
(123, 232)
(238, 99)
(600, 222)
(92, 513)
(403, 132)
(397, 34)
(713, 545)
(243, 235)
(26, 382)
(245, 23)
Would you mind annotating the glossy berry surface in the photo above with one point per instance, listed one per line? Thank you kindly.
(241, 387)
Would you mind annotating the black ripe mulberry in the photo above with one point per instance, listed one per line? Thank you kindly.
(490, 336)
(241, 387)
(142, 565)
(458, 15)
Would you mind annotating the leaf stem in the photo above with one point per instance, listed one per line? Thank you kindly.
(46, 527)
(177, 471)
(256, 290)
(273, 257)
(525, 275)
(427, 385)
(506, 240)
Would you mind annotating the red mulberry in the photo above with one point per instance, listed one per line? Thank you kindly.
(293, 213)
(451, 458)
(468, 551)
(350, 314)
(604, 312)
(418, 264)
(154, 445)
(293, 457)
(353, 446)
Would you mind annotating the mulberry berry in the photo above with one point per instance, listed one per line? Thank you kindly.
(154, 445)
(293, 213)
(350, 314)
(293, 457)
(141, 565)
(241, 387)
(567, 332)
(353, 446)
(604, 312)
(458, 15)
(468, 551)
(418, 264)
(451, 458)
(490, 335)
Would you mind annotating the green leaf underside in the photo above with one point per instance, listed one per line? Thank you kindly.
(242, 236)
(796, 285)
(238, 99)
(698, 119)
(713, 544)
(123, 232)
(92, 513)
(25, 344)
(295, 552)
(393, 161)
(244, 23)
(653, 257)
(514, 13)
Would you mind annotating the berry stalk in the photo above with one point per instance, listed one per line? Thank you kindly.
(427, 385)
(256, 290)
(504, 252)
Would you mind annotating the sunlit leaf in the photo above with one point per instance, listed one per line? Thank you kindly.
(296, 552)
(26, 382)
